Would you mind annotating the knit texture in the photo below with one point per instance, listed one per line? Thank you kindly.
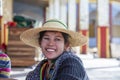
(5, 65)
(67, 67)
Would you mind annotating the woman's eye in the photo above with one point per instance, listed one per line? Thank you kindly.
(57, 39)
(46, 38)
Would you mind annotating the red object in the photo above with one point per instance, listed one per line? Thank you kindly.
(3, 47)
(12, 24)
(84, 47)
(103, 42)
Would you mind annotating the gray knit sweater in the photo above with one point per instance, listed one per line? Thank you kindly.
(67, 67)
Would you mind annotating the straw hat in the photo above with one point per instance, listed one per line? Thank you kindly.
(30, 37)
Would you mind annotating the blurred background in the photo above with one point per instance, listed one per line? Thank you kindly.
(99, 20)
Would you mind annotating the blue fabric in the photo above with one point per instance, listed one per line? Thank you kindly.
(5, 64)
(3, 76)
(67, 67)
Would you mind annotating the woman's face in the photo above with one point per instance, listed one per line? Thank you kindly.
(53, 44)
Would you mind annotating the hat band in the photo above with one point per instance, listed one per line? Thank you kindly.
(56, 21)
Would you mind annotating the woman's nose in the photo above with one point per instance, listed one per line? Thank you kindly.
(51, 42)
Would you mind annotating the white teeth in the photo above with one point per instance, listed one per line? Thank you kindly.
(50, 50)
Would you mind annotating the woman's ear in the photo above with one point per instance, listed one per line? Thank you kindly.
(67, 47)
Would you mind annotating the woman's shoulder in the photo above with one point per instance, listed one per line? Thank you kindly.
(36, 71)
(70, 56)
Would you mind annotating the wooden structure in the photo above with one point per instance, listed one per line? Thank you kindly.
(19, 53)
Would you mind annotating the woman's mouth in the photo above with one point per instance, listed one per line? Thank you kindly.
(50, 50)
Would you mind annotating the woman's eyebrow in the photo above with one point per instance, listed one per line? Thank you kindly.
(59, 36)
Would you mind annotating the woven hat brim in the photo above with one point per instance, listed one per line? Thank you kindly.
(30, 37)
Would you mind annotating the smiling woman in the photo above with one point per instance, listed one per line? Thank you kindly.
(55, 41)
(53, 44)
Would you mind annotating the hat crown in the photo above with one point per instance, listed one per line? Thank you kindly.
(55, 24)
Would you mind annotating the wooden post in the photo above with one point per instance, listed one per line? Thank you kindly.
(103, 29)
